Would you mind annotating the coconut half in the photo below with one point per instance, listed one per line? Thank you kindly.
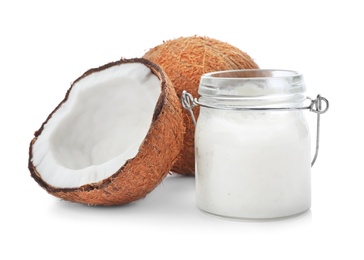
(113, 138)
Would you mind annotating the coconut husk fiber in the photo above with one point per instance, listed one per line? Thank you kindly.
(185, 60)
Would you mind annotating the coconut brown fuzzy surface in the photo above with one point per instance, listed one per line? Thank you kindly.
(185, 60)
(141, 174)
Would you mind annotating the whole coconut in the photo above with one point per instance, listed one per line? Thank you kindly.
(185, 60)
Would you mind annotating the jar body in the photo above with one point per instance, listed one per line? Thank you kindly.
(253, 164)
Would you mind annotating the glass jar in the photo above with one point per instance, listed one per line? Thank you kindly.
(252, 144)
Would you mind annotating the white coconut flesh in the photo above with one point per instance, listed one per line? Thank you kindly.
(101, 125)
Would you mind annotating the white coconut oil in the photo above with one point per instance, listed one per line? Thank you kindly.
(252, 163)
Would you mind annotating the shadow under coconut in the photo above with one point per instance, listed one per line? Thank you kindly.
(172, 204)
(173, 198)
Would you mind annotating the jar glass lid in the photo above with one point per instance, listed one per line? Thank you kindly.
(251, 83)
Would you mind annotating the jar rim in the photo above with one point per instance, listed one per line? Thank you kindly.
(252, 83)
(251, 74)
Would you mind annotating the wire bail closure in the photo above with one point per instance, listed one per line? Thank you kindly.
(320, 105)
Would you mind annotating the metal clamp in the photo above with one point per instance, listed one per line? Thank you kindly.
(316, 107)
(320, 105)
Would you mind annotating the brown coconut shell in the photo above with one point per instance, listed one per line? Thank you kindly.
(141, 174)
(185, 60)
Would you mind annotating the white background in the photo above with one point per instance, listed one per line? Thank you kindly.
(45, 45)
